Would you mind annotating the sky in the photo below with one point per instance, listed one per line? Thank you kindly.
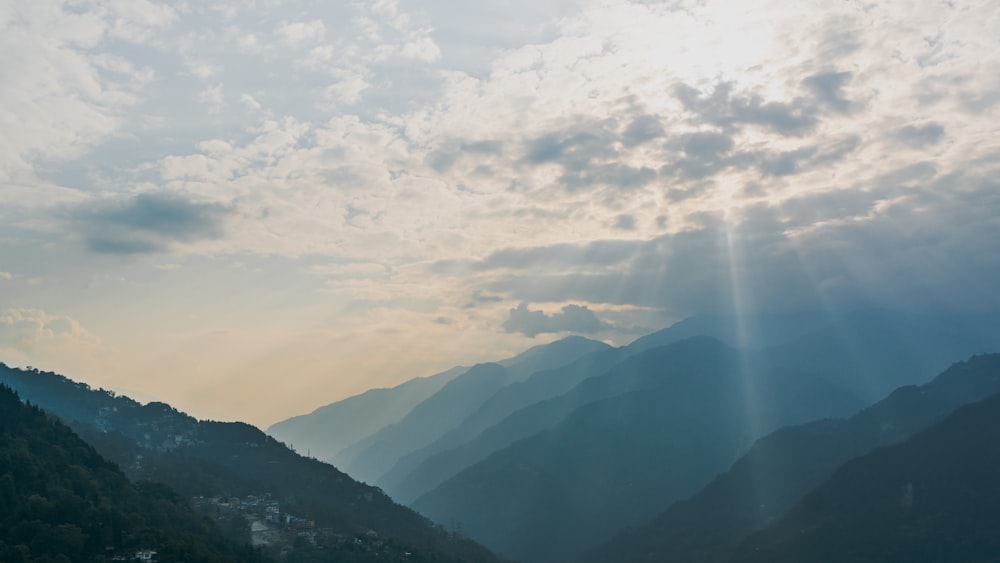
(251, 208)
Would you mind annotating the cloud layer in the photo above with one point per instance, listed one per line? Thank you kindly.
(495, 172)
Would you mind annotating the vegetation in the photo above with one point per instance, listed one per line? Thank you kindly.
(158, 443)
(61, 501)
(934, 498)
(783, 467)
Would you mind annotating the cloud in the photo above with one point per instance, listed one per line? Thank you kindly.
(620, 154)
(881, 243)
(829, 89)
(625, 222)
(300, 31)
(575, 148)
(597, 253)
(6, 276)
(479, 297)
(642, 129)
(725, 108)
(572, 318)
(703, 153)
(35, 336)
(146, 223)
(589, 155)
(920, 136)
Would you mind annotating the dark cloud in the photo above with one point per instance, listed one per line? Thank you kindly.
(441, 161)
(692, 190)
(704, 154)
(625, 222)
(723, 108)
(642, 129)
(901, 240)
(785, 163)
(909, 175)
(572, 318)
(700, 155)
(443, 158)
(828, 88)
(604, 253)
(705, 145)
(827, 206)
(589, 153)
(479, 298)
(482, 147)
(836, 151)
(615, 175)
(920, 136)
(146, 223)
(574, 148)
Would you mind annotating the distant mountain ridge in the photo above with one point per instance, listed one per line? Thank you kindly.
(326, 431)
(660, 425)
(418, 472)
(455, 401)
(784, 466)
(880, 351)
(933, 498)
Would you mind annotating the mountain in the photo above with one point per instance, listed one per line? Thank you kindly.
(783, 466)
(331, 428)
(934, 498)
(869, 352)
(420, 471)
(665, 422)
(61, 501)
(460, 397)
(343, 520)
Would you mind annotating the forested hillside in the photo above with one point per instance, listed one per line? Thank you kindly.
(61, 501)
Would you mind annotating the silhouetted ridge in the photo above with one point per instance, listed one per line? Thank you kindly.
(427, 422)
(934, 498)
(785, 465)
(653, 429)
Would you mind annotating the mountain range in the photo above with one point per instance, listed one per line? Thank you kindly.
(535, 470)
(783, 467)
(933, 498)
(715, 439)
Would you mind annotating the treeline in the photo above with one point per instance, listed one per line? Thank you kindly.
(61, 501)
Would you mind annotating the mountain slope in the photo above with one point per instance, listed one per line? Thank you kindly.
(681, 413)
(208, 458)
(867, 352)
(61, 501)
(934, 498)
(781, 467)
(331, 428)
(420, 471)
(460, 397)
